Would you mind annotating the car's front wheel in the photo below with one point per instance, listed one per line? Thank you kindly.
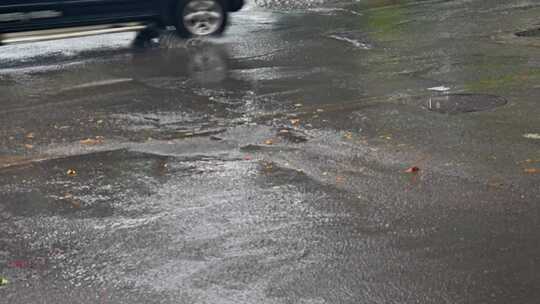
(199, 18)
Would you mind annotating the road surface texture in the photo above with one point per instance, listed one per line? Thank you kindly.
(319, 152)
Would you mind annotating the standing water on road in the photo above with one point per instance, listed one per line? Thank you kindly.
(310, 155)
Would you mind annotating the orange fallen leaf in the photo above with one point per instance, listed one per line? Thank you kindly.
(267, 166)
(76, 204)
(71, 172)
(268, 142)
(295, 121)
(532, 170)
(91, 141)
(412, 170)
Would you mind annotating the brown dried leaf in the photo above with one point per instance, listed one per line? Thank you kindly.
(412, 170)
(295, 121)
(91, 141)
(71, 172)
(532, 170)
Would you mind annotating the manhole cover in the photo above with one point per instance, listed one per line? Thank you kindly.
(464, 103)
(529, 33)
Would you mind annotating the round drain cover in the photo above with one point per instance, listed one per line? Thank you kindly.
(464, 103)
(529, 33)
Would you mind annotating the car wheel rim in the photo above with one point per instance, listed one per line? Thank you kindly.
(203, 17)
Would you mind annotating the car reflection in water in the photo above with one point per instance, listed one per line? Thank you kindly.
(165, 55)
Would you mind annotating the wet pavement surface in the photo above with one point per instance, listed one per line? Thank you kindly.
(320, 152)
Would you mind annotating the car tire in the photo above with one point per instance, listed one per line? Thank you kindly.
(200, 18)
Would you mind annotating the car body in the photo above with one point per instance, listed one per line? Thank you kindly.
(36, 15)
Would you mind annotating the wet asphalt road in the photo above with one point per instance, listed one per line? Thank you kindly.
(273, 165)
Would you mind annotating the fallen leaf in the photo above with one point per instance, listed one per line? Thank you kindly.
(71, 172)
(340, 179)
(412, 170)
(28, 146)
(3, 281)
(91, 141)
(532, 170)
(320, 110)
(387, 137)
(30, 135)
(18, 264)
(348, 135)
(298, 105)
(99, 122)
(295, 121)
(532, 135)
(268, 142)
(268, 166)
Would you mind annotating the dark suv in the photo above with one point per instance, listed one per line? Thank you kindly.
(22, 20)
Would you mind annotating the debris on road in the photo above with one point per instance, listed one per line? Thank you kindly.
(532, 135)
(3, 281)
(29, 146)
(268, 142)
(72, 201)
(295, 121)
(34, 263)
(413, 169)
(532, 170)
(92, 141)
(439, 89)
(292, 135)
(71, 172)
(18, 264)
(30, 135)
(267, 166)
